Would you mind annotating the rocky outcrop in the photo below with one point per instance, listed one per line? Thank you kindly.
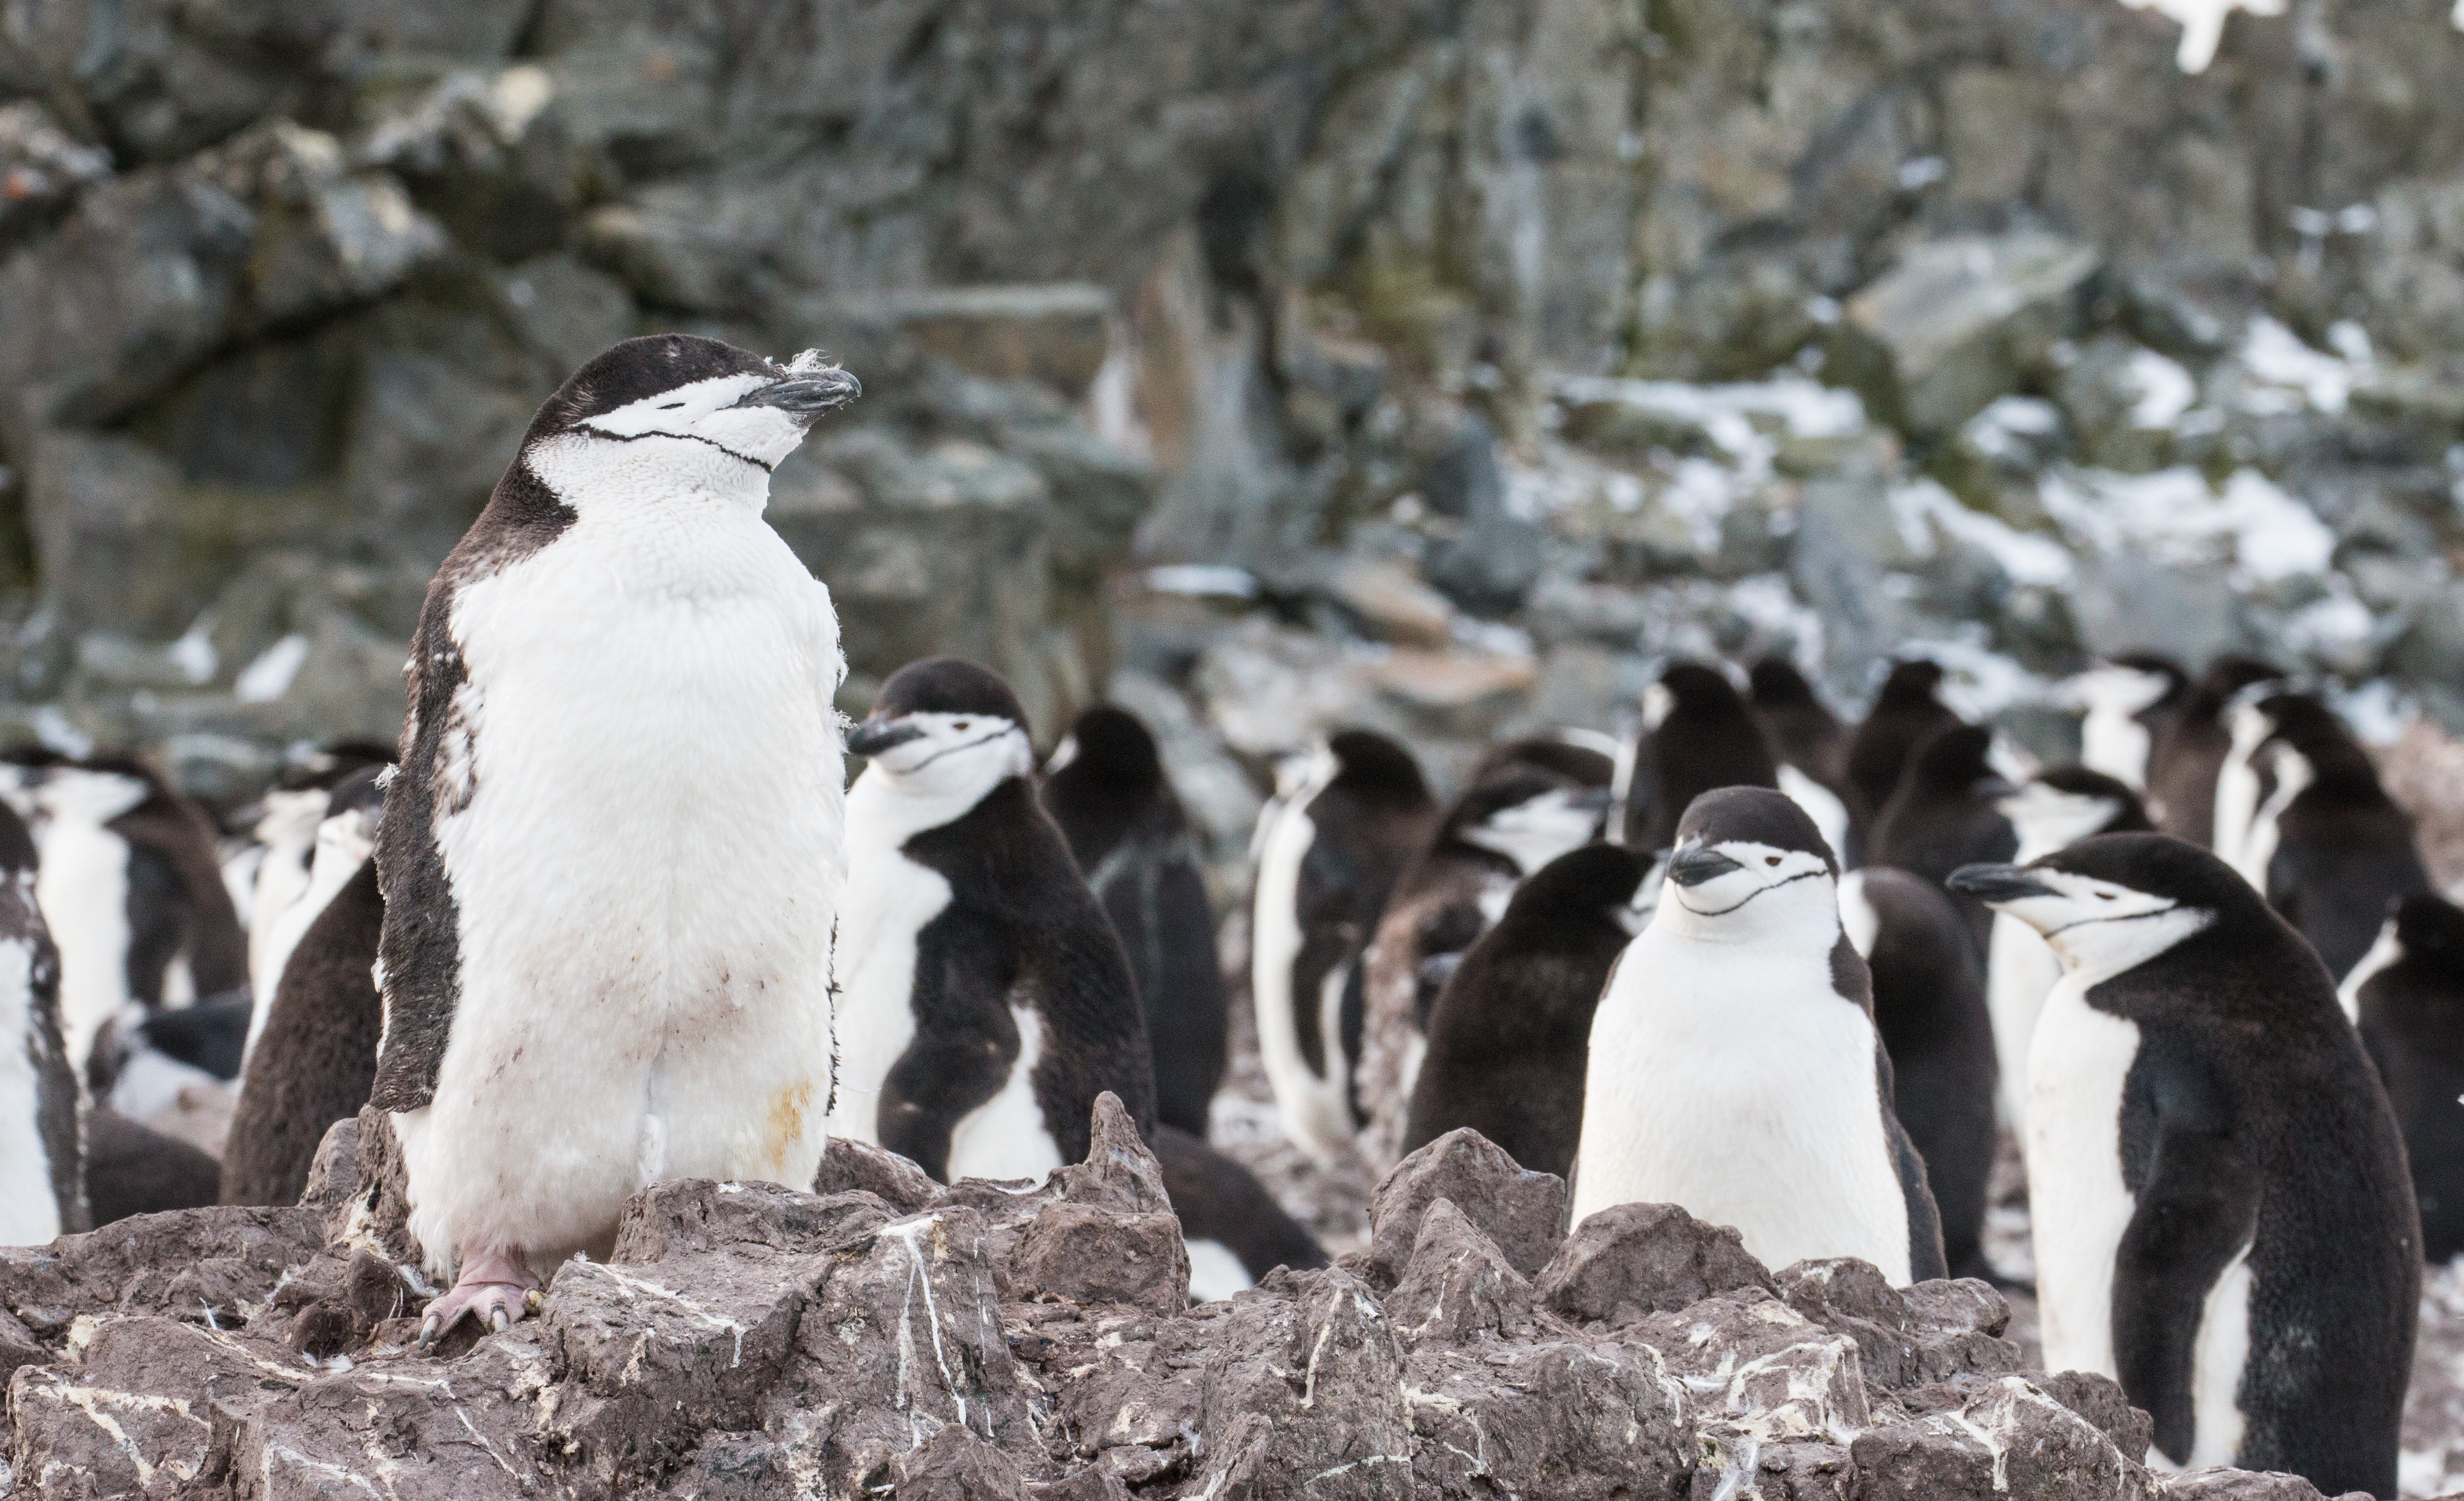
(1019, 1340)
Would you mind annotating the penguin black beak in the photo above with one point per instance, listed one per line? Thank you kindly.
(807, 397)
(1994, 788)
(1993, 884)
(871, 738)
(1696, 863)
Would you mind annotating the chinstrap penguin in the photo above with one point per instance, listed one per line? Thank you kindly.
(1930, 1008)
(286, 828)
(2223, 1220)
(1905, 713)
(1529, 802)
(2408, 998)
(2328, 846)
(1328, 850)
(1813, 746)
(2182, 770)
(1510, 1037)
(317, 1056)
(1702, 734)
(42, 1165)
(2056, 809)
(1235, 1230)
(1735, 1068)
(1946, 813)
(2128, 702)
(985, 1001)
(612, 856)
(1106, 788)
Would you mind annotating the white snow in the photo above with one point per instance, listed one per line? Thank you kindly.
(269, 677)
(2173, 516)
(2166, 389)
(2289, 372)
(2026, 557)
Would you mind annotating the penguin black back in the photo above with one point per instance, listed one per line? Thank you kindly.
(2182, 768)
(1946, 814)
(1710, 737)
(1509, 1037)
(133, 1169)
(317, 1058)
(2344, 852)
(1373, 819)
(1930, 1008)
(1129, 834)
(2412, 1023)
(1904, 715)
(1810, 736)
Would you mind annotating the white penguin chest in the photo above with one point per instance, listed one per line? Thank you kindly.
(2116, 744)
(1315, 1105)
(2078, 1063)
(83, 889)
(890, 899)
(30, 1213)
(1742, 1086)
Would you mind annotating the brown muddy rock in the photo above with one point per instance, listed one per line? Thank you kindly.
(2008, 1440)
(377, 1212)
(2100, 1399)
(1931, 1332)
(334, 1172)
(693, 1216)
(2243, 1485)
(402, 1427)
(1524, 1212)
(1458, 1285)
(1091, 1255)
(18, 1345)
(849, 1165)
(220, 1263)
(1645, 1258)
(146, 1410)
(1119, 1173)
(1580, 1419)
(954, 1465)
(1755, 1369)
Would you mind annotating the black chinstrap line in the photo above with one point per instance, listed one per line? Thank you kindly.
(2119, 917)
(689, 437)
(1791, 880)
(979, 740)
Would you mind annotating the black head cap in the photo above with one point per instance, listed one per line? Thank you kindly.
(1912, 683)
(1755, 814)
(1377, 769)
(1776, 684)
(1578, 766)
(1114, 749)
(946, 686)
(1954, 759)
(1593, 879)
(2162, 866)
(2079, 781)
(2303, 722)
(636, 368)
(2431, 930)
(1700, 688)
(1511, 788)
(2227, 676)
(361, 792)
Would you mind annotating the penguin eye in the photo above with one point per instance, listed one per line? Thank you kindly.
(1771, 859)
(670, 406)
(960, 725)
(2104, 896)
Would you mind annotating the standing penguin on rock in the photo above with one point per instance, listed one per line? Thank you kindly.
(1510, 1034)
(1529, 802)
(42, 1164)
(315, 1059)
(1106, 790)
(2184, 768)
(2408, 998)
(2223, 1220)
(1329, 852)
(1905, 712)
(984, 1000)
(1735, 1068)
(614, 852)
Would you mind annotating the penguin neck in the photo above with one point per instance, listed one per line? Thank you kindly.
(1801, 914)
(603, 478)
(885, 810)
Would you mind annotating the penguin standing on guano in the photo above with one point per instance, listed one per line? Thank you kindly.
(1948, 813)
(1106, 790)
(1702, 735)
(1735, 1068)
(2182, 774)
(2056, 809)
(2331, 850)
(316, 1057)
(42, 1165)
(613, 854)
(1813, 746)
(1529, 802)
(1904, 715)
(1510, 1035)
(2129, 702)
(1329, 852)
(984, 1000)
(2223, 1220)
(1929, 1007)
(2408, 998)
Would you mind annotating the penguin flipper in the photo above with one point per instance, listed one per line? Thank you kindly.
(1926, 1260)
(419, 949)
(2197, 1212)
(942, 1076)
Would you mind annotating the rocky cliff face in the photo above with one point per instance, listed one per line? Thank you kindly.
(1406, 312)
(884, 1336)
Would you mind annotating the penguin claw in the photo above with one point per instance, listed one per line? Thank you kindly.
(494, 1286)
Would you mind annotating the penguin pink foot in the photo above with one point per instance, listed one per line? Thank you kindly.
(494, 1285)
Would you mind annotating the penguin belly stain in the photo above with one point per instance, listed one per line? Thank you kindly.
(786, 1119)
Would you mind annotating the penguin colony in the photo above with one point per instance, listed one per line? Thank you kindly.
(1790, 973)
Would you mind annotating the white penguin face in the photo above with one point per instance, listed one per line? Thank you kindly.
(713, 412)
(1740, 890)
(719, 436)
(1657, 702)
(2048, 818)
(1536, 831)
(2097, 928)
(2116, 689)
(954, 757)
(1636, 914)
